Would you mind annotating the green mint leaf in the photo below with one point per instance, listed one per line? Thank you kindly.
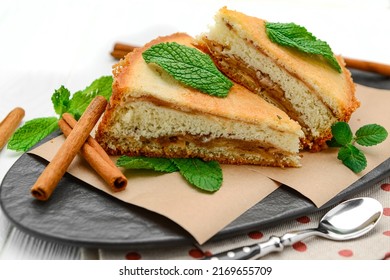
(353, 158)
(156, 164)
(296, 36)
(60, 100)
(342, 133)
(31, 133)
(81, 99)
(205, 175)
(189, 66)
(333, 143)
(370, 135)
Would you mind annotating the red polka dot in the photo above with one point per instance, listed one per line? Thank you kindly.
(346, 253)
(386, 211)
(255, 235)
(207, 254)
(133, 256)
(303, 220)
(387, 233)
(198, 254)
(385, 187)
(299, 246)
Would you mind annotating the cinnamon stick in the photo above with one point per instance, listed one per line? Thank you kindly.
(9, 125)
(120, 50)
(124, 47)
(368, 66)
(118, 54)
(52, 174)
(68, 118)
(97, 158)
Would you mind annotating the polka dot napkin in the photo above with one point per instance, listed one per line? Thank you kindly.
(374, 245)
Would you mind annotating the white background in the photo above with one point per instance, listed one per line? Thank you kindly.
(46, 44)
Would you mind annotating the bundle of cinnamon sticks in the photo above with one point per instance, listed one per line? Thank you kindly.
(79, 141)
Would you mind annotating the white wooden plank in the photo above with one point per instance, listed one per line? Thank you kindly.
(21, 246)
(5, 228)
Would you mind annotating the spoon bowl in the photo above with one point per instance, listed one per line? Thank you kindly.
(351, 219)
(348, 220)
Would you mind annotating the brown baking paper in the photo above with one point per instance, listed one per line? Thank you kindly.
(321, 177)
(201, 214)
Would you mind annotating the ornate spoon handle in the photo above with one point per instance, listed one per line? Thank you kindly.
(273, 244)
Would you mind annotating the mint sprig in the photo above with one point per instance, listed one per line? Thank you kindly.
(296, 36)
(35, 130)
(189, 66)
(349, 154)
(205, 175)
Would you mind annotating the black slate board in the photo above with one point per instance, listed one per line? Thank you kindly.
(78, 214)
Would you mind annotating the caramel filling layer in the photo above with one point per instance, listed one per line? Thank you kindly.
(221, 149)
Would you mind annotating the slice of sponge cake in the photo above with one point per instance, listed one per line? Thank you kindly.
(154, 115)
(304, 86)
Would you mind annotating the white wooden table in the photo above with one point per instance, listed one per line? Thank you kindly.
(45, 44)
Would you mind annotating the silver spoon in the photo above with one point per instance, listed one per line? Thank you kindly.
(350, 219)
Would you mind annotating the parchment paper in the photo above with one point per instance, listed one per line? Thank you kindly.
(321, 177)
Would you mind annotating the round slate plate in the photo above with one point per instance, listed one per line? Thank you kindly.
(78, 214)
(81, 215)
